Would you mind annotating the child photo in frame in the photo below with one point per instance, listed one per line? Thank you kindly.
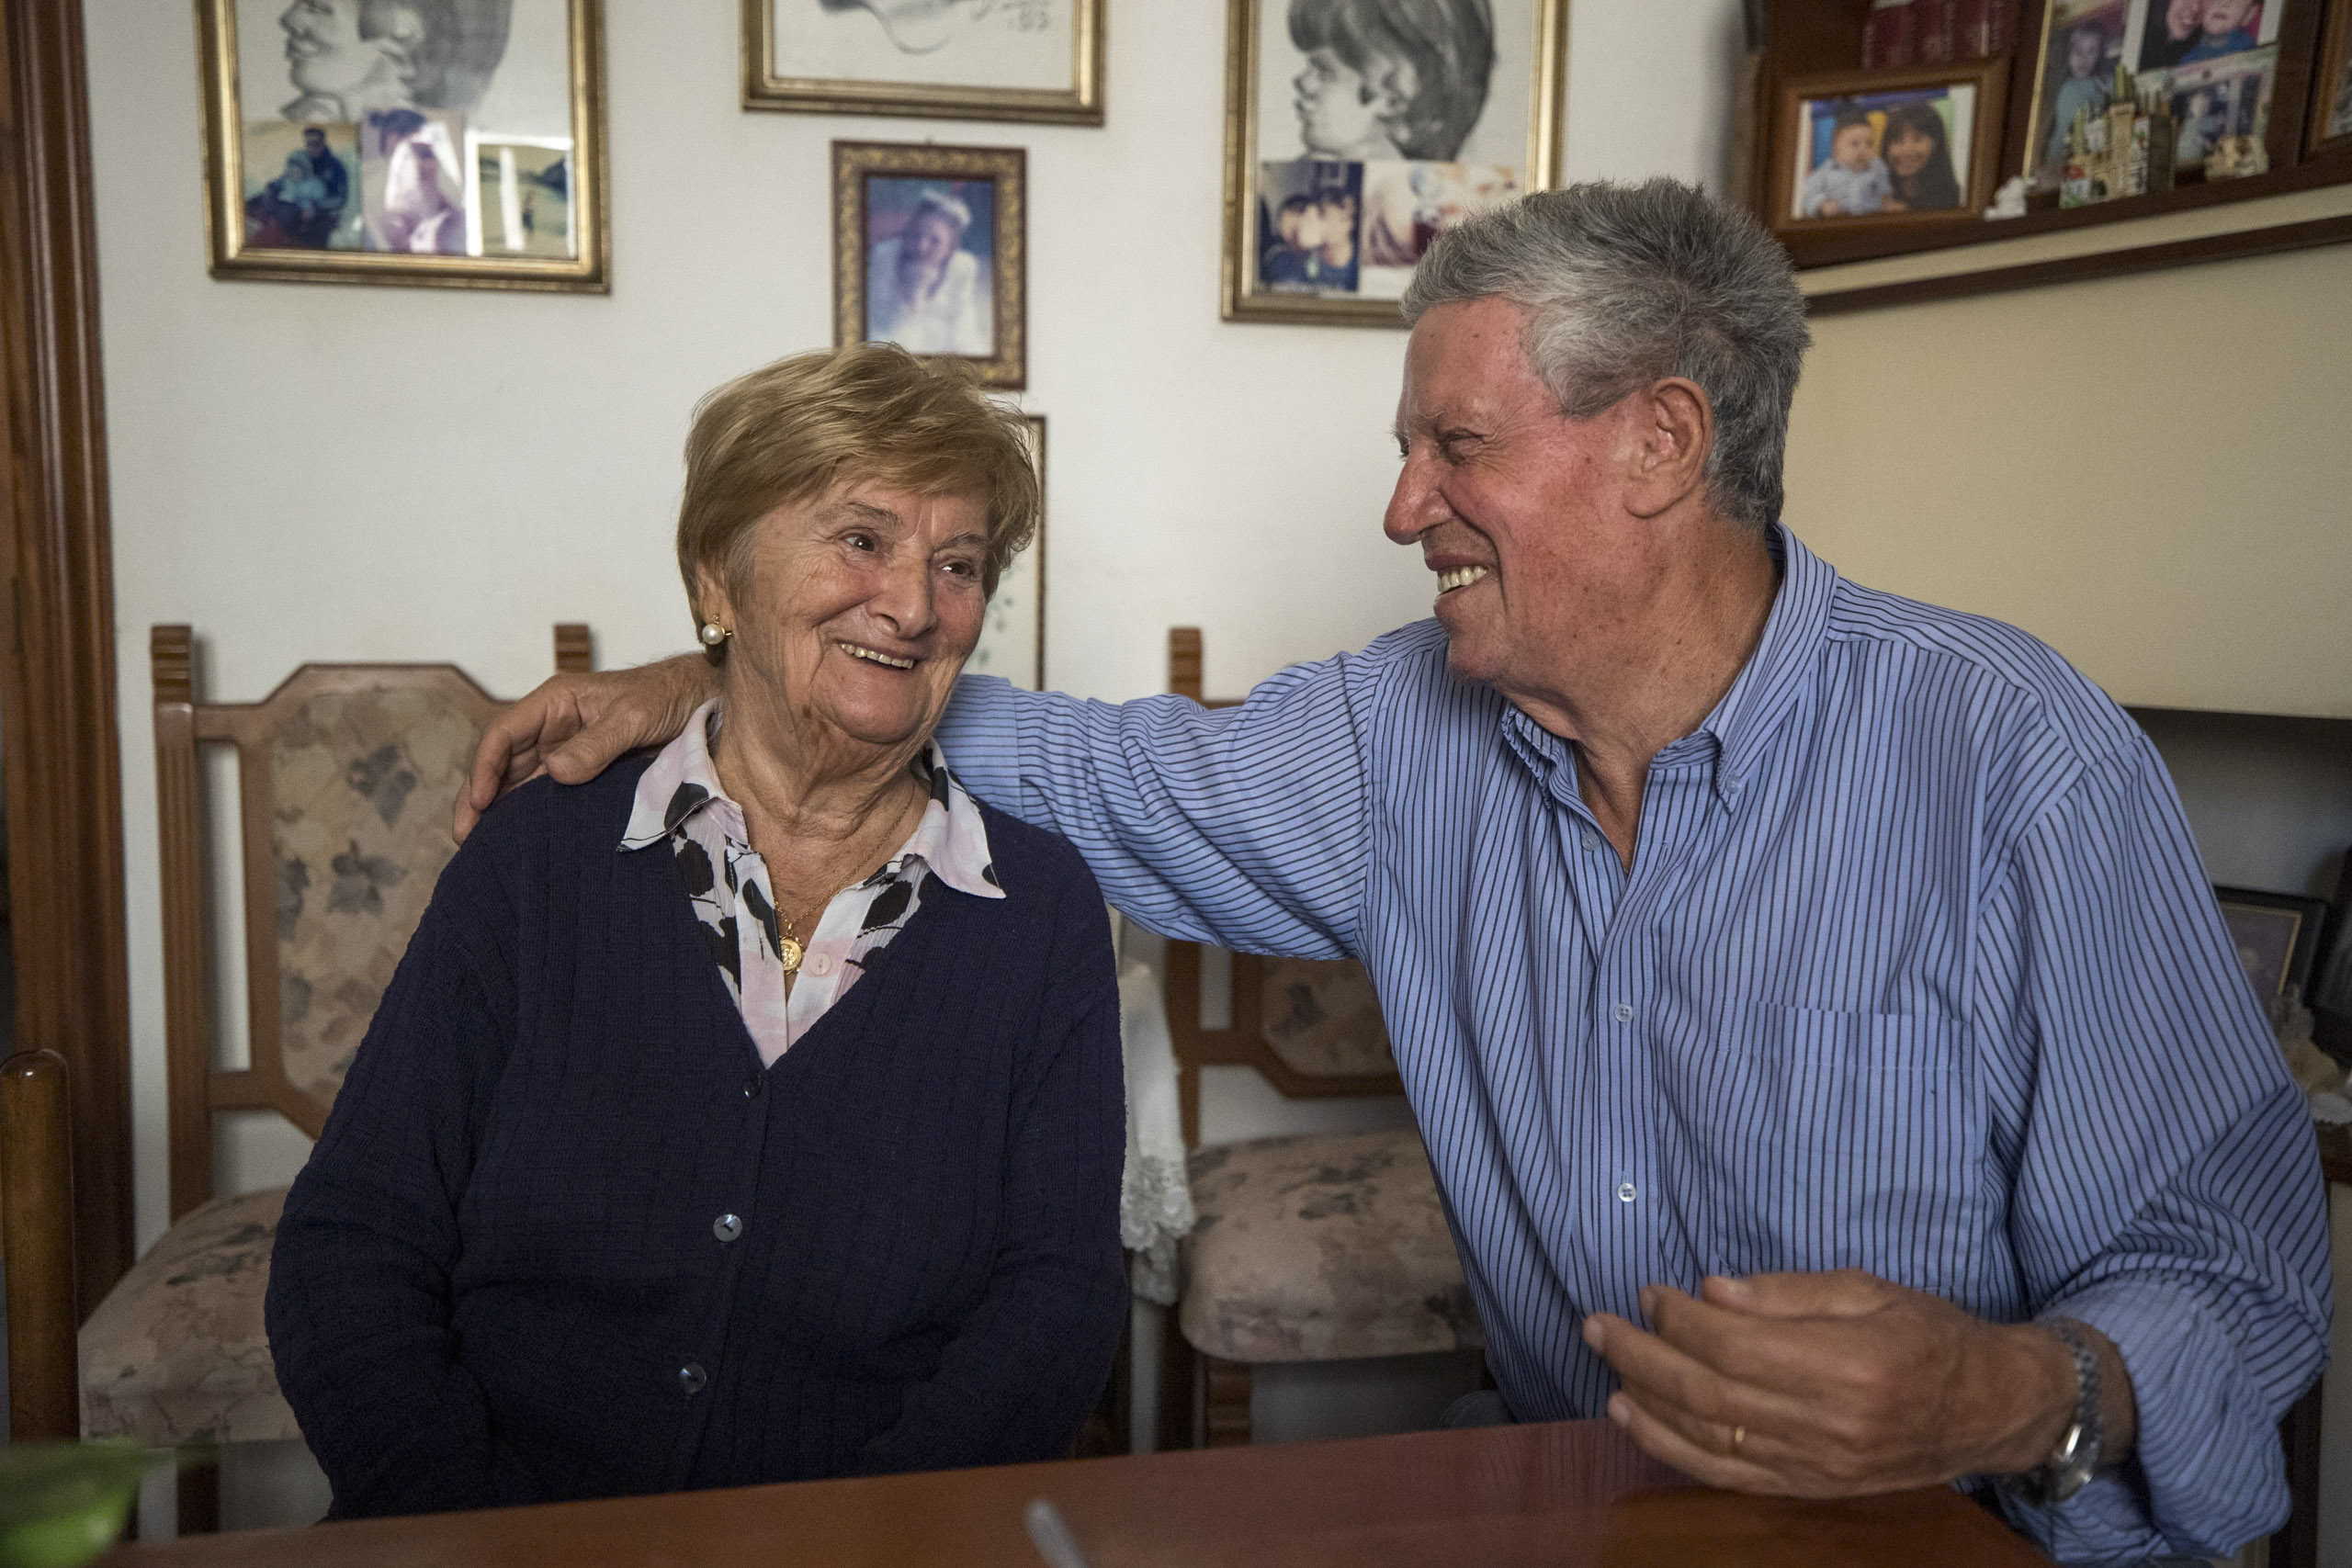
(1917, 145)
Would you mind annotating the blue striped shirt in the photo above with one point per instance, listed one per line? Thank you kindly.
(1916, 970)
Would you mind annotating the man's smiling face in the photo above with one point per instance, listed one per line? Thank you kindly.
(1510, 499)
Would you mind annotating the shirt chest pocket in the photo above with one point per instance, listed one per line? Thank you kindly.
(1818, 1140)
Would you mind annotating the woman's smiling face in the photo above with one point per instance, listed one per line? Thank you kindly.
(1907, 150)
(854, 613)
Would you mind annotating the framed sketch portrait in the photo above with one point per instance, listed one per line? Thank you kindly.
(451, 143)
(1869, 148)
(931, 253)
(1025, 60)
(1358, 130)
(1012, 639)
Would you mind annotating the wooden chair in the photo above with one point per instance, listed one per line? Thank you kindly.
(1328, 1246)
(347, 777)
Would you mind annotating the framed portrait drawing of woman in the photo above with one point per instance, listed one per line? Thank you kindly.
(1024, 60)
(450, 143)
(1358, 130)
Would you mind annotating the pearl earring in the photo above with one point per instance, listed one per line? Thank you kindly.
(713, 634)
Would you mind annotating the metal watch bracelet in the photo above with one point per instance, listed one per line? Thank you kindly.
(2075, 1460)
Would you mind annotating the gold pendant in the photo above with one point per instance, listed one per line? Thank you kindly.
(789, 952)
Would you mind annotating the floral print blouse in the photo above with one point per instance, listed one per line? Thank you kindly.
(679, 801)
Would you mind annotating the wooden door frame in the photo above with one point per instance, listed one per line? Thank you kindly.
(57, 665)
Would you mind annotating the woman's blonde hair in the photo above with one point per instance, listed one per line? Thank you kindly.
(791, 430)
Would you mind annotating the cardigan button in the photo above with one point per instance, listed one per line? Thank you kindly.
(691, 1378)
(727, 1227)
(751, 1086)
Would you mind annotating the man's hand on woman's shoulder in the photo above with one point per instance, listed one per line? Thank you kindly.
(574, 726)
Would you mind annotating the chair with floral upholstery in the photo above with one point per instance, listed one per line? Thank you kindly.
(347, 778)
(1320, 1248)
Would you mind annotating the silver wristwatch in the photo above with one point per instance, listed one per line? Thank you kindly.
(2075, 1460)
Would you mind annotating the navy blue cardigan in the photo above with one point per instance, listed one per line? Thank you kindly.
(564, 1237)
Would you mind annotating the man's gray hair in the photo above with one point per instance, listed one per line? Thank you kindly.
(1627, 285)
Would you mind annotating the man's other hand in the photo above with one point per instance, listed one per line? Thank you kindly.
(573, 727)
(1840, 1385)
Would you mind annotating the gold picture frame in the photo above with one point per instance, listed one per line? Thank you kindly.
(530, 198)
(2331, 117)
(975, 310)
(1013, 639)
(882, 92)
(1264, 278)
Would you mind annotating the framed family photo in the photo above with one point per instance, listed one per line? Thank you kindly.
(1019, 60)
(1856, 148)
(457, 143)
(931, 253)
(1358, 130)
(2214, 63)
(1012, 639)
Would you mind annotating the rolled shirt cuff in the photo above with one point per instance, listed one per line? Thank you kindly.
(2206, 1475)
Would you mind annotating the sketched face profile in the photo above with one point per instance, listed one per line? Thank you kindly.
(918, 26)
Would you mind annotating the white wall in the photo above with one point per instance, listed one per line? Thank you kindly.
(342, 473)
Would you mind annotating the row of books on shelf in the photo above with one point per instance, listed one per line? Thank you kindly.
(1934, 32)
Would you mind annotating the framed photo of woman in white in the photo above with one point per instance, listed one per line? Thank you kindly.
(1358, 130)
(357, 141)
(929, 252)
(1020, 60)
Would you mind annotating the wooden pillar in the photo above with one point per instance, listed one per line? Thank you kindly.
(57, 669)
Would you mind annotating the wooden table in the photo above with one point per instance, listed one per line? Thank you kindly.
(1570, 1493)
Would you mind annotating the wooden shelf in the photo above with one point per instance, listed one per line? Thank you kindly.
(1810, 37)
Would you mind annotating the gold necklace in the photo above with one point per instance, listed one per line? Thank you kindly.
(788, 949)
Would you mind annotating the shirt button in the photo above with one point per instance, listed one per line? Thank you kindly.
(692, 1379)
(727, 1227)
(1626, 1192)
(821, 964)
(1622, 1012)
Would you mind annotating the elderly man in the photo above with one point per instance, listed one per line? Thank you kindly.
(1821, 1028)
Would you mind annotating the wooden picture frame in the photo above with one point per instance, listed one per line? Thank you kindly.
(1472, 136)
(2330, 110)
(880, 56)
(1968, 99)
(974, 310)
(488, 172)
(1013, 639)
(2280, 930)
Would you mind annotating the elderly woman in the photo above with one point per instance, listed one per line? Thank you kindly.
(753, 1113)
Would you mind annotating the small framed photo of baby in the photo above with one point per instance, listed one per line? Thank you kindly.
(931, 253)
(450, 143)
(2332, 95)
(1857, 148)
(1013, 639)
(1358, 130)
(1020, 60)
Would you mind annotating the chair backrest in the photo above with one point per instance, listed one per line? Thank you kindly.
(347, 777)
(1310, 1027)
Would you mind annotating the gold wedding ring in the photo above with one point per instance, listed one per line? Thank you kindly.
(1738, 1436)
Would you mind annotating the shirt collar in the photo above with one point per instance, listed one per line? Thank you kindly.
(1774, 682)
(682, 783)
